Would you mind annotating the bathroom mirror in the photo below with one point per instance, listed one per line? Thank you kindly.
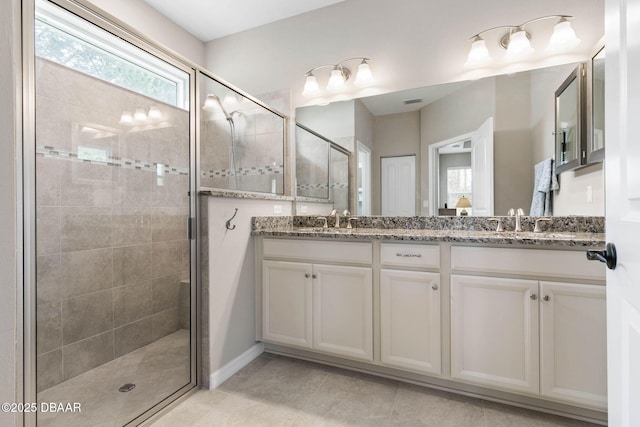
(408, 122)
(570, 142)
(595, 114)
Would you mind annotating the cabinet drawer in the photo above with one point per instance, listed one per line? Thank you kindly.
(405, 255)
(526, 262)
(318, 251)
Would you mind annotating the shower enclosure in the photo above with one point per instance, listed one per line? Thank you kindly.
(241, 141)
(113, 301)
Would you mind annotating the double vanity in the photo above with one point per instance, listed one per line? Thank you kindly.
(447, 302)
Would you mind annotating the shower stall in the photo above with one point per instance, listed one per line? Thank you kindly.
(113, 306)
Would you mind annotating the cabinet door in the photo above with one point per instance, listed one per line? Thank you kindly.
(343, 311)
(286, 303)
(494, 332)
(574, 343)
(410, 320)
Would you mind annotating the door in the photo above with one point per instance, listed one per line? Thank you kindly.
(494, 332)
(573, 343)
(410, 320)
(363, 180)
(343, 311)
(115, 281)
(622, 107)
(398, 184)
(286, 303)
(482, 169)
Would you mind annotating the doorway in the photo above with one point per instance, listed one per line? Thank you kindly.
(398, 184)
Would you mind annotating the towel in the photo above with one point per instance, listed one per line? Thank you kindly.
(545, 182)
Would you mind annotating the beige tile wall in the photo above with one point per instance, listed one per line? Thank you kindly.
(111, 241)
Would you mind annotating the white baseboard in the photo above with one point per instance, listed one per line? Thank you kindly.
(228, 370)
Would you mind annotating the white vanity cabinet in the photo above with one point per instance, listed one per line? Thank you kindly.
(526, 335)
(319, 306)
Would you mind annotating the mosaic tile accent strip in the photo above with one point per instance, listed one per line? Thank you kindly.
(322, 186)
(252, 171)
(114, 161)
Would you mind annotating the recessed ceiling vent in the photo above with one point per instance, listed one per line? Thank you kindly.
(412, 101)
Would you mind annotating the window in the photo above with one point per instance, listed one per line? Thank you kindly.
(75, 44)
(458, 185)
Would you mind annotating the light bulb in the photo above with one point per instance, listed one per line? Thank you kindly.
(311, 87)
(139, 115)
(126, 118)
(479, 54)
(155, 113)
(364, 77)
(563, 37)
(519, 44)
(336, 80)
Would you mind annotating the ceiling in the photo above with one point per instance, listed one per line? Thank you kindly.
(212, 19)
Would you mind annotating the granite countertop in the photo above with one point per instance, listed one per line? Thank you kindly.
(459, 236)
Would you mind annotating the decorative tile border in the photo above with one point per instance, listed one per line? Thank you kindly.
(114, 161)
(252, 171)
(322, 186)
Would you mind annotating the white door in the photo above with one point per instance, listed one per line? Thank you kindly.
(364, 180)
(343, 311)
(398, 185)
(286, 303)
(573, 343)
(494, 332)
(410, 320)
(482, 169)
(622, 109)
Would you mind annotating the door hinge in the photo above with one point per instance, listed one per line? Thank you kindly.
(191, 228)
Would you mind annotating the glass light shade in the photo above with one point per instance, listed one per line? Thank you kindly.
(311, 86)
(563, 37)
(336, 81)
(519, 44)
(211, 103)
(478, 55)
(155, 113)
(126, 118)
(364, 77)
(139, 115)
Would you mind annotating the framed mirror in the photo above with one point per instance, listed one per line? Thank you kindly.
(595, 98)
(570, 141)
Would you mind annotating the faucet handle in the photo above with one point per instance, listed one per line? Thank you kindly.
(520, 211)
(511, 212)
(499, 227)
(325, 225)
(537, 229)
(353, 218)
(346, 212)
(334, 212)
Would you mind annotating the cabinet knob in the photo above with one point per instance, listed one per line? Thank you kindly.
(314, 276)
(306, 275)
(546, 298)
(533, 297)
(434, 286)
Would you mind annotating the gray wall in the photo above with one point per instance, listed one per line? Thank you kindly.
(457, 114)
(10, 86)
(394, 135)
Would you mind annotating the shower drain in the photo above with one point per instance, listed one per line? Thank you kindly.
(127, 387)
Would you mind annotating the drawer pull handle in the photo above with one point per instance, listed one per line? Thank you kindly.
(400, 254)
(434, 286)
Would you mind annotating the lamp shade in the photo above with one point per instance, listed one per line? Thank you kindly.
(479, 54)
(336, 80)
(519, 44)
(311, 86)
(364, 77)
(463, 203)
(563, 37)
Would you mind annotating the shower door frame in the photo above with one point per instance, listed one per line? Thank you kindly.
(111, 24)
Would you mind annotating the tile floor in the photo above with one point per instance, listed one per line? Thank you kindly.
(279, 391)
(157, 369)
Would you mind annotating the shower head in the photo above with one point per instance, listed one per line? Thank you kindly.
(213, 100)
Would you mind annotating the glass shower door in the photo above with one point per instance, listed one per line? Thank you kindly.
(113, 288)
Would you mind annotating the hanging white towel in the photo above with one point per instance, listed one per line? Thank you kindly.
(545, 182)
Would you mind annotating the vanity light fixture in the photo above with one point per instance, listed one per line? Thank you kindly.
(339, 77)
(517, 41)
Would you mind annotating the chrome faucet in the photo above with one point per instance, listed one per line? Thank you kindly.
(519, 213)
(337, 215)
